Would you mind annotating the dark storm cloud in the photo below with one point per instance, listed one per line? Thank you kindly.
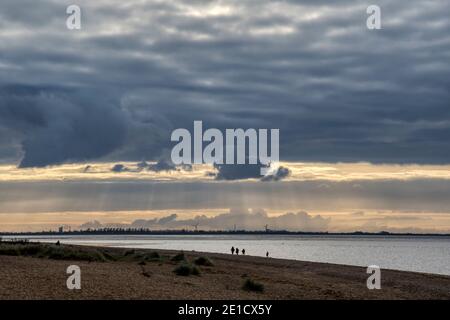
(236, 172)
(58, 125)
(119, 168)
(118, 87)
(247, 171)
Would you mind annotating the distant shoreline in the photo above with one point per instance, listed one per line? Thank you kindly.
(359, 250)
(114, 231)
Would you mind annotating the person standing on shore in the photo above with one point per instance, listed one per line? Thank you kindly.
(267, 254)
(232, 250)
(243, 251)
(237, 251)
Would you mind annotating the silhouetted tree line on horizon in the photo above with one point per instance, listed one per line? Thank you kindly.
(144, 231)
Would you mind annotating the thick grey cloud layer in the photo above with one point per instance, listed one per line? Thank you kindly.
(116, 88)
(64, 196)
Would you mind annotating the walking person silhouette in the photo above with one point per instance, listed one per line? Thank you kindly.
(237, 251)
(232, 250)
(243, 251)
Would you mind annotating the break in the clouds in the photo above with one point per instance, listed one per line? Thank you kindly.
(115, 89)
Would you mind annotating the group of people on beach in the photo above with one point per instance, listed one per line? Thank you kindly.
(233, 250)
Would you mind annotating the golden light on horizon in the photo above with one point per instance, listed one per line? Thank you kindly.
(299, 171)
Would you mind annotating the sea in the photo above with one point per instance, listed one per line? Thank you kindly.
(427, 254)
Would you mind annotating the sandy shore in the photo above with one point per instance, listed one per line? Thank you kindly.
(24, 277)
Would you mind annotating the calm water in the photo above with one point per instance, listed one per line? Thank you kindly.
(422, 254)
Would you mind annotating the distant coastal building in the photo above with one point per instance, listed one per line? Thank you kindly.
(61, 229)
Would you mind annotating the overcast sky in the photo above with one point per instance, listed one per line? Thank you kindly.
(116, 88)
(108, 96)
